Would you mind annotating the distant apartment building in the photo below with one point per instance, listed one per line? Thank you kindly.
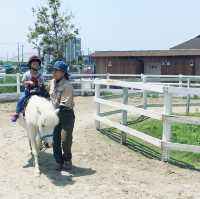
(73, 49)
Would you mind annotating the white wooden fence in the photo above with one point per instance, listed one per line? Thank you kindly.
(166, 117)
(84, 83)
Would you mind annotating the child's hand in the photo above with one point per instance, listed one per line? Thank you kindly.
(31, 83)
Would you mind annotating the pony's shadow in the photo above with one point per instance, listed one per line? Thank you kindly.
(48, 165)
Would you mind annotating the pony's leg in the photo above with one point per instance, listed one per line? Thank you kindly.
(35, 149)
(22, 122)
(38, 142)
(30, 153)
(35, 154)
(30, 147)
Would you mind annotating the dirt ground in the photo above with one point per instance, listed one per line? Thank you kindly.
(102, 168)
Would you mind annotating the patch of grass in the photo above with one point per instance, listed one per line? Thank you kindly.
(195, 97)
(153, 95)
(8, 89)
(106, 93)
(181, 133)
(8, 80)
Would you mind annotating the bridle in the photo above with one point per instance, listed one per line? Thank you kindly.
(46, 136)
(45, 144)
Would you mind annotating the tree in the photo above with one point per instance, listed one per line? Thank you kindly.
(52, 30)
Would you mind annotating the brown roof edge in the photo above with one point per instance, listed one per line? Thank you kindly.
(147, 53)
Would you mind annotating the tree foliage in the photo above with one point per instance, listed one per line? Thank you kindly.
(52, 29)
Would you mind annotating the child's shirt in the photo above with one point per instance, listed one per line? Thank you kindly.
(37, 79)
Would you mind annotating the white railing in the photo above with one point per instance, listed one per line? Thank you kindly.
(166, 116)
(84, 83)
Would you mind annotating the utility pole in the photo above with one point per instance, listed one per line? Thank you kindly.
(18, 53)
(89, 56)
(22, 53)
(75, 50)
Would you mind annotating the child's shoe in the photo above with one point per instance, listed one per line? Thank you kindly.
(14, 117)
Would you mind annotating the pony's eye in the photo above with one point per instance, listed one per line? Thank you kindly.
(43, 125)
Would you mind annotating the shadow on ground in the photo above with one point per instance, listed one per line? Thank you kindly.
(48, 165)
(144, 150)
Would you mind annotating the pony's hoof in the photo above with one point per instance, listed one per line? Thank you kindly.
(37, 173)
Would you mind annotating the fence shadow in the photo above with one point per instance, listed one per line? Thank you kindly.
(145, 150)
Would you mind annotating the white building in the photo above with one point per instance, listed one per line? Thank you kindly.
(73, 49)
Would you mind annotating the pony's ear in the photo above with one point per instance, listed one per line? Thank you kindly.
(38, 110)
(57, 111)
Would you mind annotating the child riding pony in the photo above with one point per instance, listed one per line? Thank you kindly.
(32, 80)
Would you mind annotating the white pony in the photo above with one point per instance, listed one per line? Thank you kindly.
(40, 120)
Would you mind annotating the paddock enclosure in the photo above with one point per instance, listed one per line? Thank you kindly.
(103, 168)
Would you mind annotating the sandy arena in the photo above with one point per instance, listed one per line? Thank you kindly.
(103, 169)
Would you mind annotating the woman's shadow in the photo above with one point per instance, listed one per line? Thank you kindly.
(48, 165)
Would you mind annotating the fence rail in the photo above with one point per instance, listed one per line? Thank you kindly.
(166, 116)
(84, 83)
(180, 80)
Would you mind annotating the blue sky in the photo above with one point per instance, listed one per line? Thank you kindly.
(109, 24)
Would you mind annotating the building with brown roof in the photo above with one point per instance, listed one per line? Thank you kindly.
(181, 59)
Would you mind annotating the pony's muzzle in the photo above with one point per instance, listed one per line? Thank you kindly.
(47, 140)
(48, 145)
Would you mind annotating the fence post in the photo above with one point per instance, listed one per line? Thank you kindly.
(124, 115)
(166, 124)
(188, 99)
(97, 95)
(18, 83)
(180, 80)
(107, 77)
(81, 84)
(144, 79)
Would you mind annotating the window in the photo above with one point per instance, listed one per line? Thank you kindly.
(154, 67)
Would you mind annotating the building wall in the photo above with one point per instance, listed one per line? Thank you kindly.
(197, 65)
(119, 65)
(188, 65)
(152, 66)
(169, 65)
(100, 65)
(178, 65)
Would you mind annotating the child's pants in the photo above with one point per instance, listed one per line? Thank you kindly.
(21, 101)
